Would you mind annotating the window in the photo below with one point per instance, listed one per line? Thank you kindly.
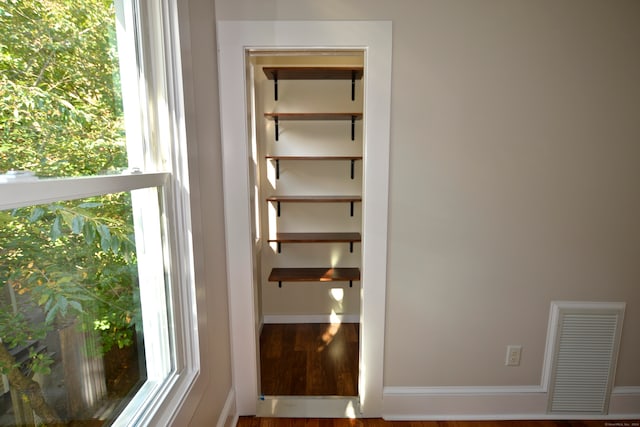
(94, 213)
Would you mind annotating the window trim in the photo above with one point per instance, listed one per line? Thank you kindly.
(22, 194)
(158, 24)
(163, 404)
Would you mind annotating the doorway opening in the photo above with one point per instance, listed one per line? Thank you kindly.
(235, 38)
(306, 132)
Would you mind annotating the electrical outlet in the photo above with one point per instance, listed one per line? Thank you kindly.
(514, 352)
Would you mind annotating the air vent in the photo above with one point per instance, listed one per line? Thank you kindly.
(584, 357)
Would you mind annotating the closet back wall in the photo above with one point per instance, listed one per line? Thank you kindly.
(302, 302)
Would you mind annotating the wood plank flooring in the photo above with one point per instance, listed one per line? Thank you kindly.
(376, 422)
(310, 359)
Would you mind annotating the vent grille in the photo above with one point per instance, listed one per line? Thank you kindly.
(584, 360)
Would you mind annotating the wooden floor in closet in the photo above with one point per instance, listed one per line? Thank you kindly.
(309, 359)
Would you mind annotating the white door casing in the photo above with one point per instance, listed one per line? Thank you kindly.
(374, 38)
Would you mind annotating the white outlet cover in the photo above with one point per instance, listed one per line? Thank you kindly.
(514, 353)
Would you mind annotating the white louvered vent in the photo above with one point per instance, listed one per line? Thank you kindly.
(585, 354)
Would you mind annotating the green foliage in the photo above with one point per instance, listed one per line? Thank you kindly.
(40, 362)
(60, 103)
(72, 262)
(16, 329)
(61, 115)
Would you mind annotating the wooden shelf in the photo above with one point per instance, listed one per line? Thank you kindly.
(278, 158)
(314, 157)
(277, 117)
(316, 238)
(313, 73)
(313, 116)
(314, 275)
(314, 199)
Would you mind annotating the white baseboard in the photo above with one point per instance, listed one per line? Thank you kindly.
(317, 318)
(461, 403)
(625, 401)
(229, 416)
(491, 403)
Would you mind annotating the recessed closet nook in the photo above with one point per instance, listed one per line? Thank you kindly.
(306, 164)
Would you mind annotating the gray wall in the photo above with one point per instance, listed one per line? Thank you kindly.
(514, 176)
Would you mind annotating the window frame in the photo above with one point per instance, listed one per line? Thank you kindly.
(160, 123)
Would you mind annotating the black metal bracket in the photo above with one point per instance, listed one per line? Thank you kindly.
(353, 86)
(279, 247)
(278, 203)
(351, 209)
(275, 87)
(277, 168)
(279, 283)
(351, 247)
(353, 128)
(351, 283)
(275, 119)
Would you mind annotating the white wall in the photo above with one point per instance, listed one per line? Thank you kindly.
(514, 177)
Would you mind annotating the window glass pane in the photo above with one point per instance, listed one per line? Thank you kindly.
(61, 108)
(71, 317)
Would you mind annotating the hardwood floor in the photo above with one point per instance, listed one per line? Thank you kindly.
(376, 422)
(310, 359)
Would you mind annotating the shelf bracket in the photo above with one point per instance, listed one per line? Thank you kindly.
(279, 247)
(353, 85)
(351, 209)
(275, 119)
(351, 247)
(279, 283)
(278, 203)
(353, 128)
(353, 167)
(275, 88)
(351, 283)
(278, 169)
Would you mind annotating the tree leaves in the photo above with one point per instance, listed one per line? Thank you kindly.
(105, 237)
(36, 214)
(56, 229)
(60, 90)
(61, 115)
(74, 259)
(89, 231)
(110, 234)
(77, 224)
